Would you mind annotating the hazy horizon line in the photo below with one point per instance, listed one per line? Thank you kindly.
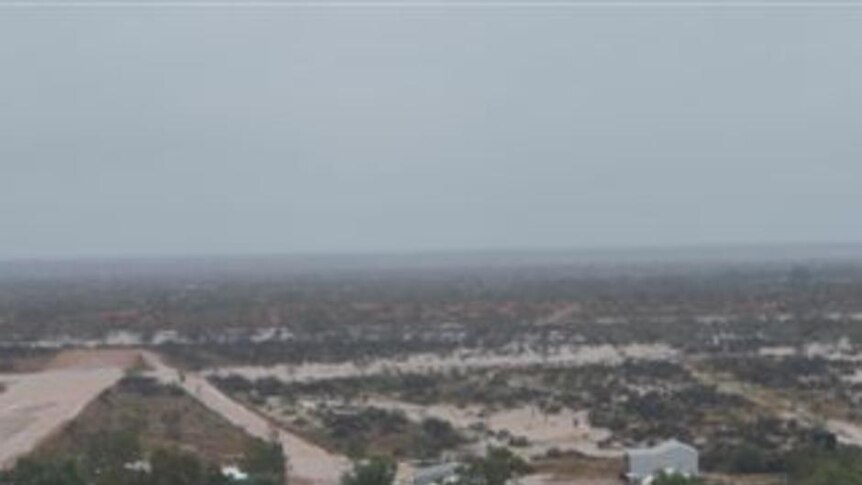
(658, 248)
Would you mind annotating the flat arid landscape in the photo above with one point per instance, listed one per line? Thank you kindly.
(556, 369)
(430, 242)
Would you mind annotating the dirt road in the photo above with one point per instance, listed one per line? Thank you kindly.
(309, 464)
(36, 405)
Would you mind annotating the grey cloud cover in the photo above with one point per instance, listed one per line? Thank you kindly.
(151, 131)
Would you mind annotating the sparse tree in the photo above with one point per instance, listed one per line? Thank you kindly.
(375, 471)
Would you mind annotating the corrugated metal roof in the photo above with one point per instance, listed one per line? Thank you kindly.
(662, 448)
(670, 455)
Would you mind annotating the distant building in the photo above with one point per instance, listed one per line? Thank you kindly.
(671, 457)
(141, 466)
(234, 473)
(437, 474)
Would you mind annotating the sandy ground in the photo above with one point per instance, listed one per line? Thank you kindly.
(94, 359)
(35, 405)
(566, 430)
(309, 464)
(847, 432)
(430, 363)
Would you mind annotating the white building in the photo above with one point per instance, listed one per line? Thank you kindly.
(670, 457)
(234, 473)
(437, 475)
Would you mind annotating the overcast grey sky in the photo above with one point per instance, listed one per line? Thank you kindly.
(302, 130)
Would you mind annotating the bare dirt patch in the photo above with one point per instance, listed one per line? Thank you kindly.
(91, 358)
(564, 430)
(576, 469)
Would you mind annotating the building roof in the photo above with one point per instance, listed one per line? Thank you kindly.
(434, 473)
(234, 473)
(661, 448)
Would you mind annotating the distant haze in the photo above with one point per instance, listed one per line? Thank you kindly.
(264, 131)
